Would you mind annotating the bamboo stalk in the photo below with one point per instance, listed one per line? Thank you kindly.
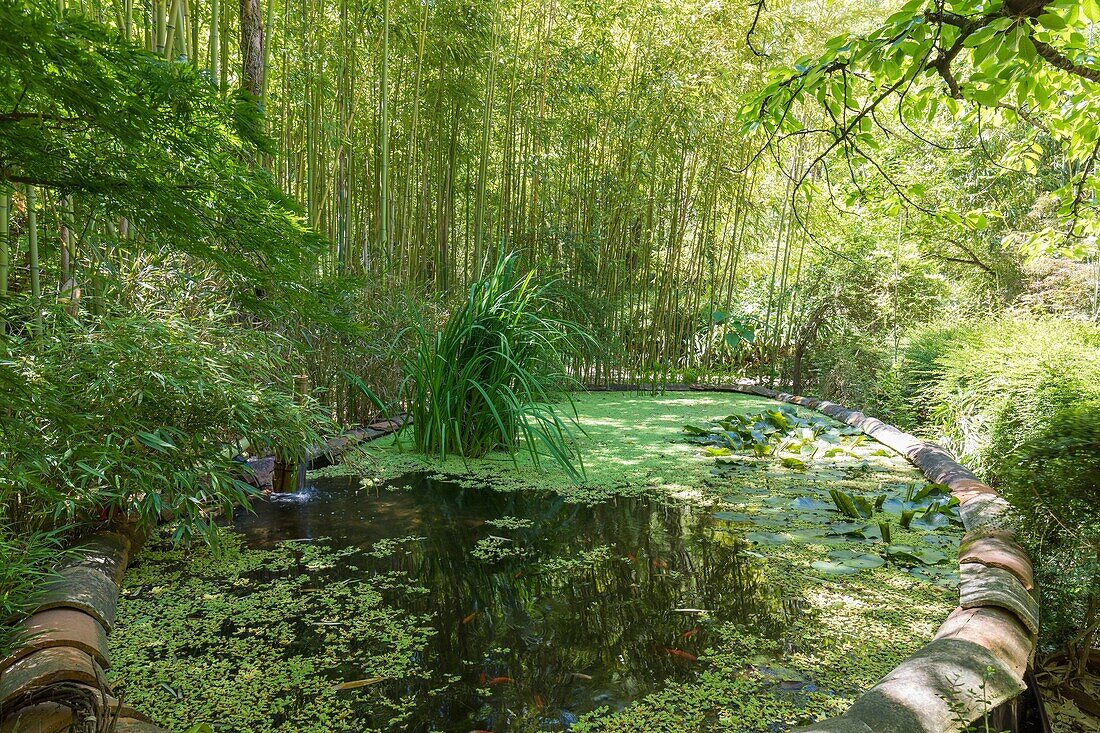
(384, 154)
(5, 246)
(32, 255)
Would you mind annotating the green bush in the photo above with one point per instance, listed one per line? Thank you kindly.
(139, 416)
(1019, 400)
(486, 381)
(136, 416)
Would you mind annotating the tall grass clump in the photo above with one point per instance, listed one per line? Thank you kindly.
(489, 379)
(1019, 399)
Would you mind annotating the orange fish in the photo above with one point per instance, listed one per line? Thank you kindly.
(500, 680)
(633, 558)
(659, 563)
(469, 618)
(538, 701)
(689, 633)
(681, 654)
(481, 678)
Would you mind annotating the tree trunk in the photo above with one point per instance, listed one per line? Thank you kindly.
(252, 49)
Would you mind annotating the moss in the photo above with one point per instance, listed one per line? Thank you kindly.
(230, 632)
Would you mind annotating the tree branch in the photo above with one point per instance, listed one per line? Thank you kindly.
(1055, 58)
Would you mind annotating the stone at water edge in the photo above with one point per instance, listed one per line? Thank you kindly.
(84, 588)
(914, 696)
(264, 468)
(996, 629)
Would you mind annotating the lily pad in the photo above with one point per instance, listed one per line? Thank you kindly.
(808, 533)
(732, 516)
(909, 555)
(855, 530)
(805, 502)
(930, 521)
(833, 568)
(942, 577)
(765, 538)
(859, 560)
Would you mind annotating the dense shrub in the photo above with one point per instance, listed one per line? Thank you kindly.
(133, 415)
(1018, 399)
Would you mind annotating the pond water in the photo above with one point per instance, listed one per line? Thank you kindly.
(541, 609)
(682, 587)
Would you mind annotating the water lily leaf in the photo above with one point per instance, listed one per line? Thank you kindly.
(712, 451)
(860, 560)
(930, 490)
(804, 502)
(695, 430)
(942, 577)
(909, 555)
(795, 463)
(894, 505)
(765, 538)
(930, 521)
(848, 528)
(732, 516)
(778, 419)
(833, 568)
(808, 533)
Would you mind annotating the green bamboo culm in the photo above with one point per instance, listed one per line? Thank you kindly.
(32, 257)
(488, 380)
(5, 248)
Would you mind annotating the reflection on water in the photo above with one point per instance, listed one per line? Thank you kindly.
(543, 609)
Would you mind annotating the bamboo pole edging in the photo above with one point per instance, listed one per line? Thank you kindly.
(54, 681)
(979, 656)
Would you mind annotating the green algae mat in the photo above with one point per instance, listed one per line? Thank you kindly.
(713, 572)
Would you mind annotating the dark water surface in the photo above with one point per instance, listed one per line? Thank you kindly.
(570, 609)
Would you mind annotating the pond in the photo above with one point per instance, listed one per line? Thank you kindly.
(552, 608)
(679, 588)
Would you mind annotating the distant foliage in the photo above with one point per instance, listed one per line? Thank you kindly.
(487, 380)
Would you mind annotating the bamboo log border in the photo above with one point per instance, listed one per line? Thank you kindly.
(54, 681)
(978, 658)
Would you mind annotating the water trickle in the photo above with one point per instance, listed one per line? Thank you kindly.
(542, 609)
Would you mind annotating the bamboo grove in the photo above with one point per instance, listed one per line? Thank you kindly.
(424, 139)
